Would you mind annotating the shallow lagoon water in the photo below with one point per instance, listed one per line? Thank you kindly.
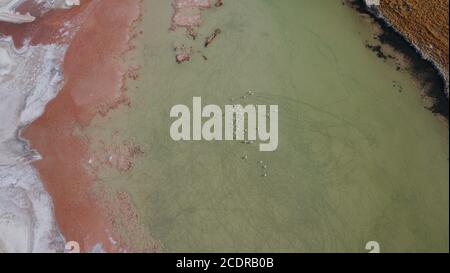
(357, 160)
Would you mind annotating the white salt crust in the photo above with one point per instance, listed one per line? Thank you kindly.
(30, 77)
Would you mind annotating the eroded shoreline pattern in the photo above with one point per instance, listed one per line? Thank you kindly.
(30, 76)
(86, 211)
(427, 69)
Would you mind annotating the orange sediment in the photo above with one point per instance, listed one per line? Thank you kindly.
(98, 35)
(423, 23)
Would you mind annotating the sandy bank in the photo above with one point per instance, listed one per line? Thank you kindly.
(30, 76)
(98, 34)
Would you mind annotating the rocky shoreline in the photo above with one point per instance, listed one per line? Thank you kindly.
(440, 62)
(430, 73)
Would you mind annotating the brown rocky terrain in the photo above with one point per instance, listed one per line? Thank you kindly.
(425, 24)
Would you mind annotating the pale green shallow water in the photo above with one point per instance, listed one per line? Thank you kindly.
(357, 160)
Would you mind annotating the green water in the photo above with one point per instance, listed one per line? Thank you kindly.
(357, 159)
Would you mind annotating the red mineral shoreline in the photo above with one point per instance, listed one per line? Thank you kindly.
(98, 33)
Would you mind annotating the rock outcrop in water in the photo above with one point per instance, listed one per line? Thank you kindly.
(187, 15)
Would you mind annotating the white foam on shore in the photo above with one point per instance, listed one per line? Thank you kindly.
(29, 78)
